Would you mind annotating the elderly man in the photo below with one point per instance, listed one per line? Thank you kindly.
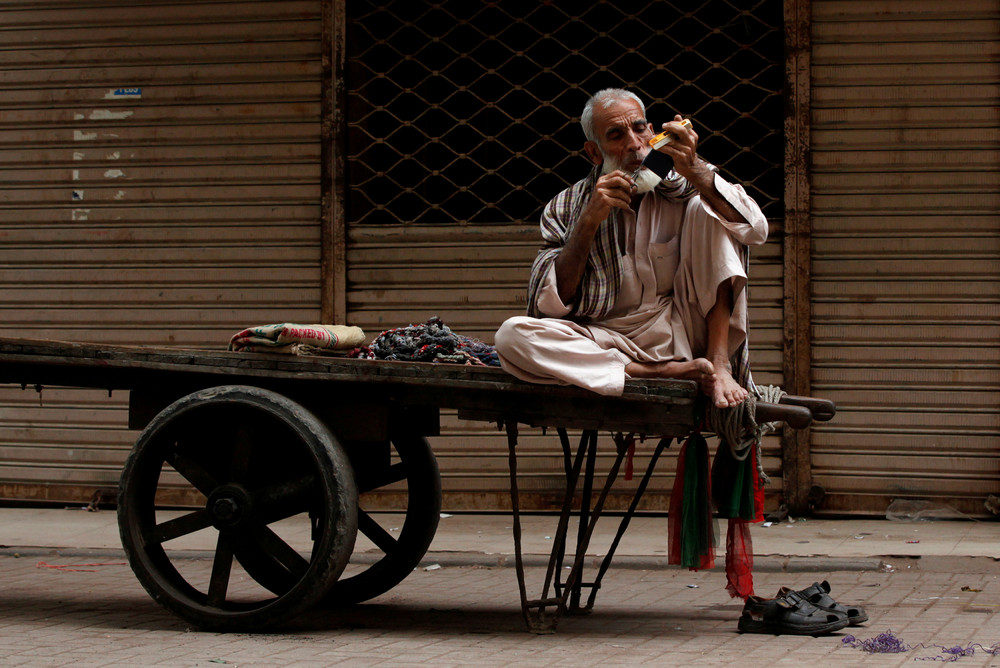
(640, 277)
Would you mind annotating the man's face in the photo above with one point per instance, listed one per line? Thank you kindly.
(623, 136)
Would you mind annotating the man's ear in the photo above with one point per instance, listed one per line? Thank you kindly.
(593, 152)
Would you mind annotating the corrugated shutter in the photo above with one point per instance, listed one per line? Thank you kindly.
(462, 123)
(159, 184)
(906, 255)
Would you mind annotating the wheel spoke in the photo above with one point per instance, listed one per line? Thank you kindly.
(281, 551)
(222, 566)
(180, 526)
(193, 472)
(282, 500)
(395, 473)
(375, 533)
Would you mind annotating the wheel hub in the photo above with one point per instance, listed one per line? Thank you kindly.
(230, 506)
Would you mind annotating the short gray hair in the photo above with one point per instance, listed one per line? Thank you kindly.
(605, 98)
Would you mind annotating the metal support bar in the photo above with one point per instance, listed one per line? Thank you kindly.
(541, 615)
(576, 571)
(559, 544)
(623, 525)
(585, 500)
(511, 428)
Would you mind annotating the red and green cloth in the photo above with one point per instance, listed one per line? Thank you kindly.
(735, 488)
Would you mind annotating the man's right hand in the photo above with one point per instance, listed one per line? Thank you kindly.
(614, 189)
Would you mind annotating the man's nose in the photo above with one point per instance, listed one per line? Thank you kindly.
(636, 142)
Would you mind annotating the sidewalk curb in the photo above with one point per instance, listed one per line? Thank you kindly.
(762, 563)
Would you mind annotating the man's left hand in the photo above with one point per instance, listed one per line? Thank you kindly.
(684, 151)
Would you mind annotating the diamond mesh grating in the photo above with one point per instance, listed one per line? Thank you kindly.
(468, 110)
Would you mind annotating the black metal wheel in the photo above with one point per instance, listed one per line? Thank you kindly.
(253, 462)
(410, 467)
(413, 464)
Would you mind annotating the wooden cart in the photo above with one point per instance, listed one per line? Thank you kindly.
(256, 439)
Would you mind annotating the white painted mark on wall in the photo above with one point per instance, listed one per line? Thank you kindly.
(108, 115)
(114, 155)
(114, 174)
(78, 195)
(120, 194)
(76, 174)
(78, 155)
(80, 135)
(80, 214)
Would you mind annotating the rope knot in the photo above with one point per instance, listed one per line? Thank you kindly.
(737, 425)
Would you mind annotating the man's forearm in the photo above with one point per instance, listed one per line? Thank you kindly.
(572, 260)
(705, 183)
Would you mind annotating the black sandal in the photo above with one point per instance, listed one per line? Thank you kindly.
(819, 595)
(789, 613)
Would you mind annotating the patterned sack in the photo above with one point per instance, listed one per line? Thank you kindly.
(296, 339)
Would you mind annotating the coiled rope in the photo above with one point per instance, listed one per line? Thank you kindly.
(738, 427)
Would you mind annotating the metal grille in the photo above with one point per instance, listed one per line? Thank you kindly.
(467, 110)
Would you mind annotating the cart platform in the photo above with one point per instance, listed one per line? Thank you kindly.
(249, 439)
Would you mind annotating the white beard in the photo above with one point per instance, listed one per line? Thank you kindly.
(645, 180)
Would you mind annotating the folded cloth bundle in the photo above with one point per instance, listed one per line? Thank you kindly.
(297, 339)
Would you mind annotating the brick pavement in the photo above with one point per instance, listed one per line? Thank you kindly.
(462, 616)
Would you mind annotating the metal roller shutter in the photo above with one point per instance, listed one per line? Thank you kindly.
(160, 185)
(906, 252)
(462, 123)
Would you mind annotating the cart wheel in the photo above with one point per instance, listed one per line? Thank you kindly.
(416, 466)
(402, 551)
(251, 458)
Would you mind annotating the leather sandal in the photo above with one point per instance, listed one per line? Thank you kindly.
(819, 595)
(789, 613)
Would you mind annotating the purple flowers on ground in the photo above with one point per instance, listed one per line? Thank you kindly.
(883, 643)
(888, 643)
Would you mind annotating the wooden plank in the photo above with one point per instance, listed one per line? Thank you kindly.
(974, 267)
(871, 29)
(914, 443)
(797, 270)
(913, 73)
(232, 30)
(893, 10)
(930, 399)
(150, 14)
(55, 56)
(657, 406)
(334, 180)
(119, 136)
(197, 94)
(830, 223)
(964, 51)
(84, 176)
(905, 333)
(137, 215)
(943, 95)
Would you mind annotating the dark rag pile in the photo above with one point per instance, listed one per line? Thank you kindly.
(432, 341)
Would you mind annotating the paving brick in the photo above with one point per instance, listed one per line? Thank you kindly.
(469, 615)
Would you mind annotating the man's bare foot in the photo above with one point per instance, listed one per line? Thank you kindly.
(723, 389)
(699, 370)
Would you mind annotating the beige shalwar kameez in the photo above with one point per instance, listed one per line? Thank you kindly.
(676, 254)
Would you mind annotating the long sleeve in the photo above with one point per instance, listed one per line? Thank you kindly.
(751, 233)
